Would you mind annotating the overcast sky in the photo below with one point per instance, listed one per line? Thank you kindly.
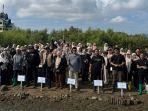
(121, 15)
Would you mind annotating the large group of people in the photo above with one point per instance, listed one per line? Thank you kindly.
(59, 60)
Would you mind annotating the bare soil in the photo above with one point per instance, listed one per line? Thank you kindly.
(62, 100)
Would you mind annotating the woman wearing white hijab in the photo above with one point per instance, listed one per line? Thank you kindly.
(128, 67)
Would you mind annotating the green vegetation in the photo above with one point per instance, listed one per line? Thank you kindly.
(20, 36)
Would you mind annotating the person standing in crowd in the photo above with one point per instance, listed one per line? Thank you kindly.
(142, 66)
(122, 51)
(33, 61)
(43, 64)
(105, 46)
(10, 65)
(96, 66)
(59, 69)
(128, 69)
(106, 68)
(24, 63)
(54, 55)
(117, 62)
(138, 52)
(74, 63)
(94, 47)
(109, 55)
(85, 65)
(4, 68)
(66, 50)
(134, 70)
(66, 67)
(12, 50)
(17, 65)
(79, 48)
(50, 62)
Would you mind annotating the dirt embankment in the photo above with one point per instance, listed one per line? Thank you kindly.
(62, 100)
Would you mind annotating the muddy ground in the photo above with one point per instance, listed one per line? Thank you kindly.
(31, 99)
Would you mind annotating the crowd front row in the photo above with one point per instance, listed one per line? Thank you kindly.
(59, 61)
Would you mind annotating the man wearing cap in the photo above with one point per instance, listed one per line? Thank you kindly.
(117, 62)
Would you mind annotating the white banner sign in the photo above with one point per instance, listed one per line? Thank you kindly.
(121, 85)
(98, 83)
(41, 79)
(71, 81)
(21, 78)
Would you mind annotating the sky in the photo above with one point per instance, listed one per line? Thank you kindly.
(130, 16)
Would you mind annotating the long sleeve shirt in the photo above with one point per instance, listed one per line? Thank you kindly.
(17, 62)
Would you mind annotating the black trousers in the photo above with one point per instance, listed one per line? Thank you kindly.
(85, 73)
(135, 78)
(49, 74)
(31, 76)
(96, 75)
(142, 76)
(4, 77)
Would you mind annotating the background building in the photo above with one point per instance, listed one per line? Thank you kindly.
(5, 22)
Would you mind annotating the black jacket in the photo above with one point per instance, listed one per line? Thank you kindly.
(33, 59)
(62, 66)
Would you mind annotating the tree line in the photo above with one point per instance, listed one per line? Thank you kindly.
(72, 34)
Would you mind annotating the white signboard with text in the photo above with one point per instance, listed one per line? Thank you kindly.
(21, 78)
(71, 81)
(41, 80)
(121, 85)
(98, 83)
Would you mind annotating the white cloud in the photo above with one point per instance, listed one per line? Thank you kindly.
(118, 19)
(65, 9)
(72, 10)
(121, 4)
